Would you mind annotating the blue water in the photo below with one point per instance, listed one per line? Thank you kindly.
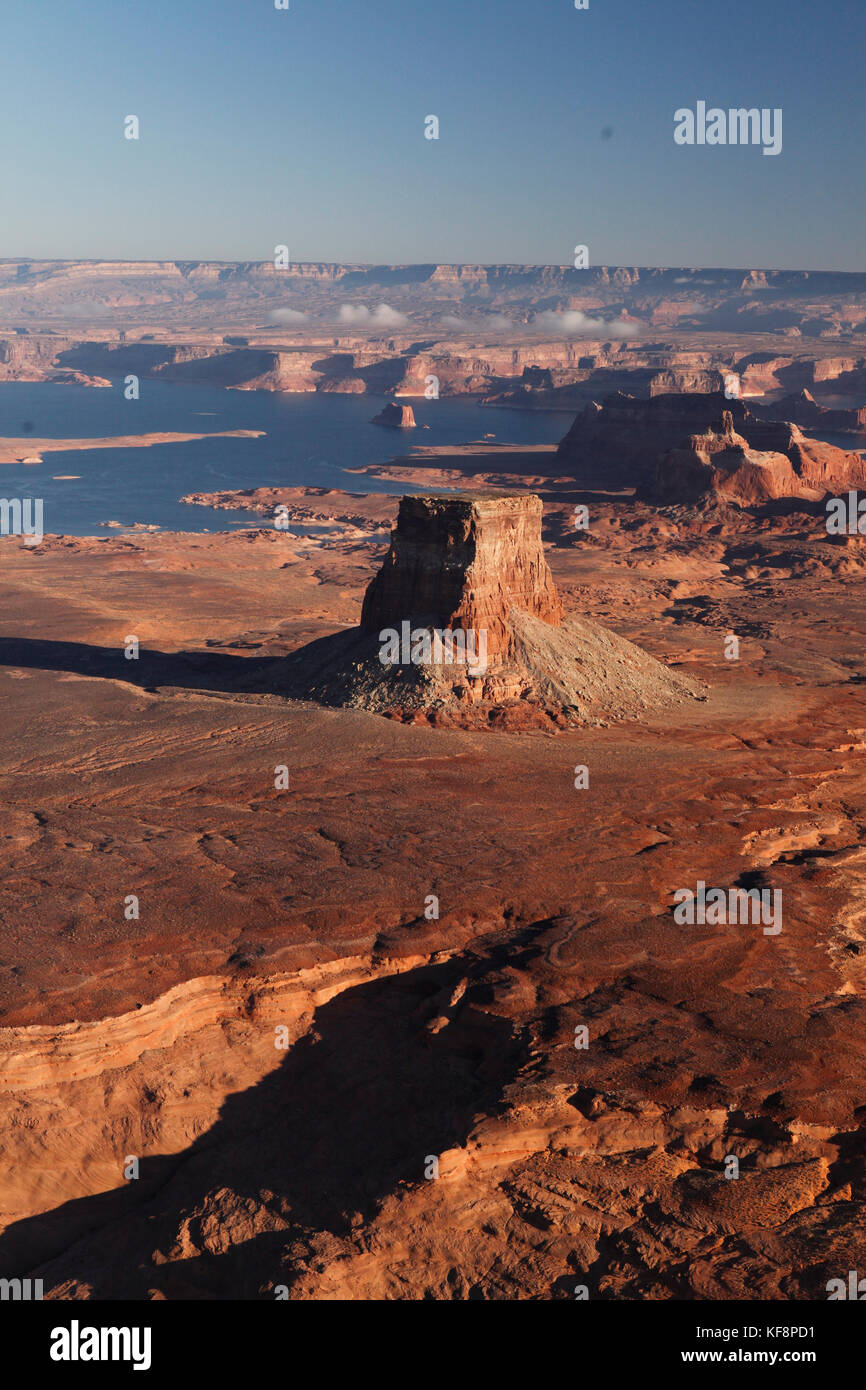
(309, 440)
(848, 442)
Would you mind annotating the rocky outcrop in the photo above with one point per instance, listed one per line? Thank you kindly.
(660, 445)
(464, 562)
(802, 409)
(396, 417)
(463, 626)
(617, 443)
(721, 464)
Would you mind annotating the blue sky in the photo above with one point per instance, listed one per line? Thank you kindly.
(306, 127)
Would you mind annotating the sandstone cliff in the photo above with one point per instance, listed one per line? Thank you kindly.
(662, 447)
(473, 564)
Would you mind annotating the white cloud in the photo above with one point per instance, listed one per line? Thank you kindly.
(359, 316)
(573, 324)
(288, 316)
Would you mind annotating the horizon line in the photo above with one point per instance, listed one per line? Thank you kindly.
(419, 265)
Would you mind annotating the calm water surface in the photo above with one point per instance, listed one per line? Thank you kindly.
(309, 440)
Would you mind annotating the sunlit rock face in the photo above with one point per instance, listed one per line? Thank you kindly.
(463, 627)
(464, 562)
(396, 417)
(679, 448)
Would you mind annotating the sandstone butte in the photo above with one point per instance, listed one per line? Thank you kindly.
(397, 417)
(474, 562)
(462, 562)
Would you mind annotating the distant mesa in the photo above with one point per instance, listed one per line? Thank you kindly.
(396, 417)
(802, 409)
(720, 464)
(693, 445)
(468, 571)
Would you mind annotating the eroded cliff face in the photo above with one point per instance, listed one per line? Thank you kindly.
(473, 565)
(463, 562)
(720, 464)
(681, 447)
(618, 441)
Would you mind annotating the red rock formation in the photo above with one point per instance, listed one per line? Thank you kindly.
(618, 442)
(722, 464)
(463, 562)
(396, 417)
(474, 563)
(652, 444)
(802, 409)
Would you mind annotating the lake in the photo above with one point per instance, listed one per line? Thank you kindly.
(309, 440)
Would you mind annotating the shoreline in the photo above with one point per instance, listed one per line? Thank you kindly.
(13, 450)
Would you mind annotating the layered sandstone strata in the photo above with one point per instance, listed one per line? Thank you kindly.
(472, 565)
(463, 562)
(720, 463)
(643, 444)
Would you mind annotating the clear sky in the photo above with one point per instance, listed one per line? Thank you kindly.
(306, 127)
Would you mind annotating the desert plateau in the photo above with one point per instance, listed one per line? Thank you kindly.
(437, 900)
(433, 678)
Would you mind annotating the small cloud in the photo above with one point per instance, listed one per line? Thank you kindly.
(288, 316)
(359, 316)
(573, 324)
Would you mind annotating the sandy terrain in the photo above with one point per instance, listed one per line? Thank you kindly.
(414, 1037)
(30, 450)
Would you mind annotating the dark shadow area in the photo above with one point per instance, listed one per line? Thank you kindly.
(215, 671)
(320, 671)
(352, 1113)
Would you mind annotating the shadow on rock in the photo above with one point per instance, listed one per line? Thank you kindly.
(351, 1113)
